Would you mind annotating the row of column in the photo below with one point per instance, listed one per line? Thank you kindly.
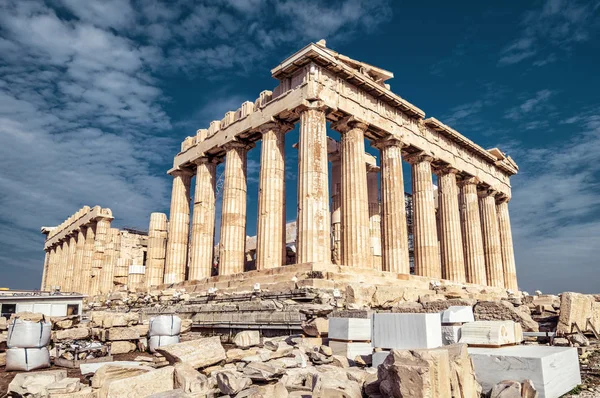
(475, 236)
(84, 261)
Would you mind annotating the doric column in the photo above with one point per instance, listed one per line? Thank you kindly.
(336, 207)
(110, 260)
(100, 243)
(313, 239)
(179, 226)
(78, 263)
(86, 265)
(427, 254)
(471, 231)
(64, 265)
(70, 269)
(45, 269)
(270, 234)
(393, 208)
(491, 238)
(374, 216)
(452, 255)
(203, 220)
(47, 274)
(57, 265)
(506, 245)
(157, 248)
(356, 240)
(233, 215)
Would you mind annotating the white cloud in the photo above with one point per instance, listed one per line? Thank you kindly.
(535, 103)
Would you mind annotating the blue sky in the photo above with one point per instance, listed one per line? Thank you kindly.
(95, 99)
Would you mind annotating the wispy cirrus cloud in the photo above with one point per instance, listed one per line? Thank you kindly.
(557, 25)
(536, 103)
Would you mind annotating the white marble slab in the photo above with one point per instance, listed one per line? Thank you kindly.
(86, 368)
(458, 314)
(553, 370)
(350, 350)
(378, 358)
(407, 331)
(491, 333)
(350, 329)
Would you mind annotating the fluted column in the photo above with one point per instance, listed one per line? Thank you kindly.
(233, 215)
(179, 226)
(336, 207)
(374, 216)
(45, 270)
(47, 276)
(70, 269)
(427, 255)
(113, 242)
(270, 234)
(506, 245)
(452, 255)
(356, 240)
(471, 232)
(86, 264)
(393, 208)
(491, 238)
(57, 266)
(100, 243)
(78, 263)
(313, 239)
(157, 248)
(203, 220)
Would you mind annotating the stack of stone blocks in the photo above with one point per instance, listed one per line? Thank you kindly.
(351, 337)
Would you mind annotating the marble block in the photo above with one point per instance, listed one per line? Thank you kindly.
(458, 314)
(378, 358)
(350, 350)
(350, 329)
(491, 333)
(450, 334)
(553, 370)
(407, 331)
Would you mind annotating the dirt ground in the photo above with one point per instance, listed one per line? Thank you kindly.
(6, 377)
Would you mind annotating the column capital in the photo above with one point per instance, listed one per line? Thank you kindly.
(238, 144)
(418, 157)
(502, 198)
(181, 173)
(275, 124)
(468, 180)
(389, 140)
(350, 122)
(310, 105)
(207, 159)
(440, 171)
(485, 192)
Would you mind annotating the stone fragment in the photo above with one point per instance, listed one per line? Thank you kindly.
(231, 382)
(451, 334)
(415, 374)
(316, 327)
(85, 392)
(463, 382)
(236, 354)
(64, 386)
(2, 359)
(458, 314)
(502, 311)
(35, 383)
(3, 323)
(406, 331)
(28, 316)
(189, 380)
(553, 370)
(350, 350)
(506, 389)
(318, 358)
(326, 386)
(122, 347)
(276, 390)
(197, 353)
(170, 394)
(528, 389)
(490, 333)
(340, 361)
(107, 373)
(122, 333)
(350, 329)
(247, 338)
(378, 357)
(261, 371)
(142, 385)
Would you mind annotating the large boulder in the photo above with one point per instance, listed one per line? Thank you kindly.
(71, 334)
(197, 353)
(189, 380)
(504, 311)
(108, 373)
(416, 374)
(232, 382)
(577, 308)
(142, 385)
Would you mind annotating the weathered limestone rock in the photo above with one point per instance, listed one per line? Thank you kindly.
(463, 382)
(107, 373)
(276, 390)
(122, 333)
(3, 323)
(189, 380)
(528, 389)
(197, 353)
(503, 310)
(141, 385)
(261, 371)
(506, 389)
(326, 386)
(415, 373)
(64, 386)
(231, 382)
(35, 383)
(28, 316)
(316, 327)
(85, 392)
(71, 334)
(247, 338)
(122, 347)
(576, 308)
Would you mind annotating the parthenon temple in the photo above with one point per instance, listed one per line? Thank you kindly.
(351, 205)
